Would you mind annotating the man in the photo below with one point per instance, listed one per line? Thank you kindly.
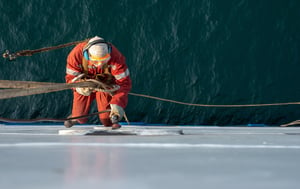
(98, 59)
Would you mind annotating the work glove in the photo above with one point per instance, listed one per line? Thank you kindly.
(116, 111)
(86, 91)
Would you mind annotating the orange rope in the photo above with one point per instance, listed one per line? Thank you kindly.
(211, 105)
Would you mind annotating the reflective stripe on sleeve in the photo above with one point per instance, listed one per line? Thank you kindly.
(72, 72)
(122, 75)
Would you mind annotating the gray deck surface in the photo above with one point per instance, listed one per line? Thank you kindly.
(36, 157)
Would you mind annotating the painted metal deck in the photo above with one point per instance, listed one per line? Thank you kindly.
(203, 157)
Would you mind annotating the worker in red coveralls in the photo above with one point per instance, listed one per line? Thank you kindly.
(98, 59)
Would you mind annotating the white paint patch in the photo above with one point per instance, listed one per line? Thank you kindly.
(109, 131)
(152, 145)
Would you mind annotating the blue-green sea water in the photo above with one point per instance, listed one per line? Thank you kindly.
(195, 51)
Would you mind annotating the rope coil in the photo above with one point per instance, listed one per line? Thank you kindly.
(101, 87)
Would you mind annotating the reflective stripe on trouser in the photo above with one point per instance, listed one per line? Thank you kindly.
(82, 104)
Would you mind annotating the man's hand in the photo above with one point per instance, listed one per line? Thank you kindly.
(116, 110)
(85, 91)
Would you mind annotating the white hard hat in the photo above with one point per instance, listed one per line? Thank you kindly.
(95, 39)
(98, 51)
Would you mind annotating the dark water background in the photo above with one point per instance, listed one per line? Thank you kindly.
(197, 51)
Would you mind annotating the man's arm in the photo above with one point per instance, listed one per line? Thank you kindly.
(74, 63)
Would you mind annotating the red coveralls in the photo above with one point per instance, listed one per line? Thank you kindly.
(117, 67)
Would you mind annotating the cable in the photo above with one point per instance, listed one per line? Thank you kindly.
(7, 120)
(215, 105)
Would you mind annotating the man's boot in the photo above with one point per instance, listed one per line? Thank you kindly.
(70, 123)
